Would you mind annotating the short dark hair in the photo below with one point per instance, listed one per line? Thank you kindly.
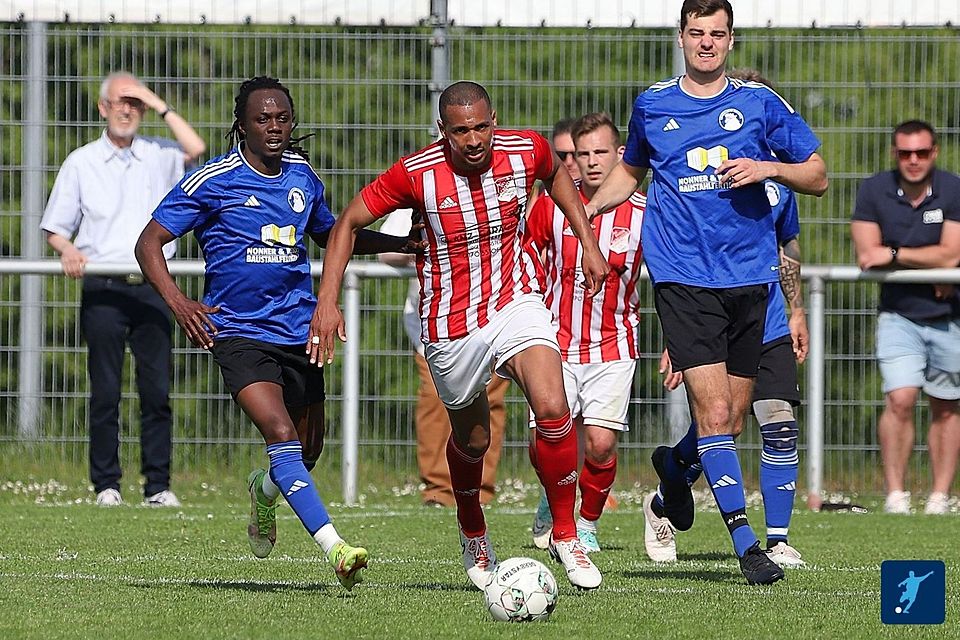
(462, 94)
(749, 75)
(701, 8)
(562, 126)
(913, 126)
(590, 123)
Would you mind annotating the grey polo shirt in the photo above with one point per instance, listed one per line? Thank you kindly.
(105, 195)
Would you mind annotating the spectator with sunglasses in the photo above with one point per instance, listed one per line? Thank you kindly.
(910, 218)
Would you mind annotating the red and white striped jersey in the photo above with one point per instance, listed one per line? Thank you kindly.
(475, 262)
(603, 328)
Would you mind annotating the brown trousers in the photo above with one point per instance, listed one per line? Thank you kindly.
(433, 431)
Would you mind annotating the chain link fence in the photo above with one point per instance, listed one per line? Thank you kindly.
(365, 94)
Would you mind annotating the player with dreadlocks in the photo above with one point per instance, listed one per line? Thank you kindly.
(250, 210)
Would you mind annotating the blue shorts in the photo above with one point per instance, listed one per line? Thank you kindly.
(923, 355)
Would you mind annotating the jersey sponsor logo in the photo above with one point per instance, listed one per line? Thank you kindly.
(506, 189)
(730, 120)
(252, 202)
(699, 159)
(472, 236)
(773, 192)
(671, 125)
(296, 200)
(619, 239)
(271, 234)
(448, 203)
(934, 216)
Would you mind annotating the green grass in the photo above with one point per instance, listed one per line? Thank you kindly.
(69, 569)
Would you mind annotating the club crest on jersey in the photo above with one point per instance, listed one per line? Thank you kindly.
(619, 239)
(296, 200)
(773, 192)
(506, 189)
(731, 120)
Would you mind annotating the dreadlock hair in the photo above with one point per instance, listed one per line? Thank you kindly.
(235, 135)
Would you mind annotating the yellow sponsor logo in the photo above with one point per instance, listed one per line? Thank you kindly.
(699, 158)
(271, 234)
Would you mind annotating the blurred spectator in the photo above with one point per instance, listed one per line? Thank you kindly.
(910, 218)
(431, 421)
(104, 194)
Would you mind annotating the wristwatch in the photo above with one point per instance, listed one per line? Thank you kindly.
(893, 255)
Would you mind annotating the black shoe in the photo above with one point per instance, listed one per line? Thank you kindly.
(677, 496)
(758, 568)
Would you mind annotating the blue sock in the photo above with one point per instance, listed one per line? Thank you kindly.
(296, 485)
(779, 464)
(693, 474)
(718, 455)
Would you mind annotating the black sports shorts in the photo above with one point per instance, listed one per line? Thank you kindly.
(708, 326)
(244, 361)
(777, 377)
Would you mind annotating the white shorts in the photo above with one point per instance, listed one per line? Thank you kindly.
(599, 393)
(461, 368)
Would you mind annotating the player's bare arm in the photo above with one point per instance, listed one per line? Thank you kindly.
(809, 176)
(190, 314)
(564, 193)
(369, 242)
(793, 291)
(327, 320)
(622, 182)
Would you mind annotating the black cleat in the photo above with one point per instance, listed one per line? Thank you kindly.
(677, 496)
(758, 568)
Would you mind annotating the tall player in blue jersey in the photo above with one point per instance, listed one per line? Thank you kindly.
(250, 210)
(776, 393)
(709, 238)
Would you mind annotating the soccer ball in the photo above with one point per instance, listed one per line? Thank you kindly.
(522, 590)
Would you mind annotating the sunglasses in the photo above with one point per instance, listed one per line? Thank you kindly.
(922, 154)
(564, 155)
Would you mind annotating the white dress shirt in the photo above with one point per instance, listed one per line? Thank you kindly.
(106, 194)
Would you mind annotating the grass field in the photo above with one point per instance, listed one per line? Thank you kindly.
(69, 569)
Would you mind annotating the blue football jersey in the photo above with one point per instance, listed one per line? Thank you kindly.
(696, 231)
(251, 227)
(786, 218)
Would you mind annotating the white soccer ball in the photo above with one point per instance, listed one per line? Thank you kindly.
(522, 590)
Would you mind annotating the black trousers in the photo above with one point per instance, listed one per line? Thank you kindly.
(113, 314)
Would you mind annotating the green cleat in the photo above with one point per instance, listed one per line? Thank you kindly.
(347, 562)
(262, 526)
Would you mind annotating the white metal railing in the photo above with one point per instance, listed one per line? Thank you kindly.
(817, 277)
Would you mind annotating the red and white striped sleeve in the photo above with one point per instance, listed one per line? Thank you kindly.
(392, 190)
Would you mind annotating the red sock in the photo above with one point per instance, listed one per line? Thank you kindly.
(595, 484)
(466, 475)
(556, 450)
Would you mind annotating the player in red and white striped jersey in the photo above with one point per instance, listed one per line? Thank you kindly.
(480, 303)
(598, 335)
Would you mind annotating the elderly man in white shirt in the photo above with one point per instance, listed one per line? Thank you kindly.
(102, 199)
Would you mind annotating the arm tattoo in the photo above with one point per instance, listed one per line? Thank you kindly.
(790, 273)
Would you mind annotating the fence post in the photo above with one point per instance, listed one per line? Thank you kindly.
(31, 241)
(816, 371)
(351, 385)
(440, 59)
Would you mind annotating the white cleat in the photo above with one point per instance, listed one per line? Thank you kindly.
(897, 502)
(165, 498)
(659, 536)
(784, 555)
(109, 498)
(581, 571)
(542, 524)
(478, 559)
(937, 504)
